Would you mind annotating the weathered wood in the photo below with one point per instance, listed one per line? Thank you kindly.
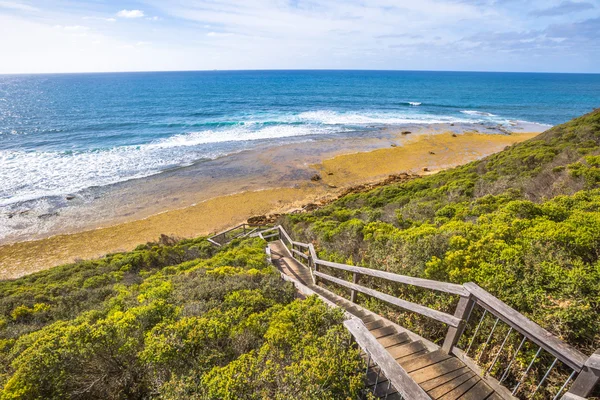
(462, 312)
(425, 361)
(587, 379)
(406, 349)
(571, 396)
(355, 278)
(478, 392)
(269, 236)
(450, 385)
(407, 305)
(461, 389)
(451, 288)
(299, 253)
(394, 340)
(567, 354)
(437, 370)
(399, 378)
(440, 380)
(490, 380)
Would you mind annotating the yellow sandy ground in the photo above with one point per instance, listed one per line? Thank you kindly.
(215, 214)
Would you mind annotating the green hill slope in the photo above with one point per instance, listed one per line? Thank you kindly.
(523, 223)
(171, 321)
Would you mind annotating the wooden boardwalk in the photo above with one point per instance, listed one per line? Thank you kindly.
(441, 375)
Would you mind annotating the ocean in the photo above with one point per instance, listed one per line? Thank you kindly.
(61, 134)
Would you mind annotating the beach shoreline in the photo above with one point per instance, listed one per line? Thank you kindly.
(279, 182)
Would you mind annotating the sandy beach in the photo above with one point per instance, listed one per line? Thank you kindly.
(289, 189)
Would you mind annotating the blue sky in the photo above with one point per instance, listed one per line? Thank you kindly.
(482, 35)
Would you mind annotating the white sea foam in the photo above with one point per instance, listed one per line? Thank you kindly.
(414, 103)
(373, 118)
(29, 175)
(478, 113)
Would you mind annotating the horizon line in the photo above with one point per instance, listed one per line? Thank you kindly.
(292, 70)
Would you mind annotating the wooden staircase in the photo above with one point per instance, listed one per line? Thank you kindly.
(401, 364)
(441, 375)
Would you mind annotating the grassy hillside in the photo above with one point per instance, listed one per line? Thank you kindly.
(171, 321)
(523, 223)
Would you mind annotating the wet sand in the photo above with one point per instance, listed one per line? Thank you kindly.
(288, 187)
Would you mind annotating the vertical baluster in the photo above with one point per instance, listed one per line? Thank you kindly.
(476, 331)
(387, 391)
(376, 380)
(500, 350)
(488, 339)
(564, 385)
(526, 371)
(544, 378)
(505, 374)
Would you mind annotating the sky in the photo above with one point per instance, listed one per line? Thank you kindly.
(53, 36)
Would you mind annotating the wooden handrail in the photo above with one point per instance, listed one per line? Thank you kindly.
(409, 280)
(398, 377)
(567, 354)
(407, 305)
(470, 294)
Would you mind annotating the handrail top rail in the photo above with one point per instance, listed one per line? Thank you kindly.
(451, 288)
(563, 351)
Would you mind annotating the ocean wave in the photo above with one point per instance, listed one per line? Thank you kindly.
(478, 113)
(327, 117)
(414, 103)
(30, 175)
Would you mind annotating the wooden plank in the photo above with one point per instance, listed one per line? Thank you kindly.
(446, 287)
(379, 323)
(490, 380)
(437, 370)
(594, 361)
(299, 253)
(480, 391)
(571, 396)
(426, 360)
(394, 340)
(440, 380)
(407, 305)
(406, 349)
(395, 373)
(402, 360)
(495, 396)
(369, 318)
(461, 389)
(381, 332)
(567, 354)
(450, 385)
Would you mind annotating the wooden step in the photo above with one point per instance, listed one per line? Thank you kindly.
(407, 349)
(425, 360)
(451, 385)
(394, 340)
(385, 331)
(437, 371)
(481, 390)
(379, 323)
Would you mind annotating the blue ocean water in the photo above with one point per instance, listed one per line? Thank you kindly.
(64, 133)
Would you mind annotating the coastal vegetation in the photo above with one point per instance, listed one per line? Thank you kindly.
(524, 224)
(171, 320)
(183, 319)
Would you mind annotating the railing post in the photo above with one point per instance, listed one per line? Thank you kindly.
(355, 278)
(463, 310)
(588, 378)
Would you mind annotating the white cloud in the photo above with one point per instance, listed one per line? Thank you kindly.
(72, 28)
(13, 5)
(155, 18)
(100, 19)
(130, 14)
